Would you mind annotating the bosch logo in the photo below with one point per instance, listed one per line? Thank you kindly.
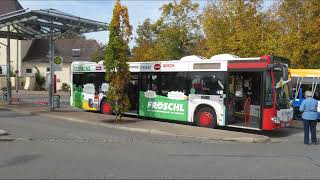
(157, 67)
(168, 65)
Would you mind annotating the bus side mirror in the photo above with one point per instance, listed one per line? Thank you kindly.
(285, 73)
(284, 69)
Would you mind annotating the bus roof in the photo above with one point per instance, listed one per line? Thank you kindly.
(304, 72)
(189, 63)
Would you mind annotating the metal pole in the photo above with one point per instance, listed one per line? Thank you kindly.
(8, 68)
(51, 47)
(17, 68)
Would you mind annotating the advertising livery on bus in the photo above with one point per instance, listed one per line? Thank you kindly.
(224, 90)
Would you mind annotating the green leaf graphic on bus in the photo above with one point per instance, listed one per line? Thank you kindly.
(77, 96)
(162, 107)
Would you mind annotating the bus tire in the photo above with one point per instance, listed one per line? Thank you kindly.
(206, 117)
(105, 107)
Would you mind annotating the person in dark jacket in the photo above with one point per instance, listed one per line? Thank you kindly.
(309, 116)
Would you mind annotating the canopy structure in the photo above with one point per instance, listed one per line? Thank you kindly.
(304, 72)
(43, 24)
(305, 76)
(37, 24)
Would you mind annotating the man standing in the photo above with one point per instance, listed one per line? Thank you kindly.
(309, 116)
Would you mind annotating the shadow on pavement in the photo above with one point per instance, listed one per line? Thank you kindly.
(15, 115)
(124, 121)
(18, 160)
(284, 132)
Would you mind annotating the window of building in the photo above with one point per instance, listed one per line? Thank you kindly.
(48, 69)
(28, 70)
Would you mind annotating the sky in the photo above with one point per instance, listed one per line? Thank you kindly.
(101, 10)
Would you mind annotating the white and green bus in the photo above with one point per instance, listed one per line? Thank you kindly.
(224, 90)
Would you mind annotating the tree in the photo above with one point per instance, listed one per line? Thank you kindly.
(236, 27)
(116, 56)
(40, 80)
(174, 35)
(99, 55)
(146, 42)
(298, 23)
(73, 35)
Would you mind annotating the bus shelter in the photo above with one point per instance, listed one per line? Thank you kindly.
(43, 24)
(305, 76)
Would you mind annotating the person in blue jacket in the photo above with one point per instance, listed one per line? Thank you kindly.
(309, 116)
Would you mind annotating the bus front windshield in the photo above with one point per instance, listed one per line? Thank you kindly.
(283, 90)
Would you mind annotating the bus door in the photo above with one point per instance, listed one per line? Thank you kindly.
(133, 93)
(244, 99)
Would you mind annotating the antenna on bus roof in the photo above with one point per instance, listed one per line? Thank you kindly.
(224, 57)
(193, 58)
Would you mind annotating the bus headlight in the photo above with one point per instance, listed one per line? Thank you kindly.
(275, 120)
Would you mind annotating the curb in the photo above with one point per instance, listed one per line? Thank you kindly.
(3, 133)
(149, 131)
(158, 132)
(141, 130)
(7, 139)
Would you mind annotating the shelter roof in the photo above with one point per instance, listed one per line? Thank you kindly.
(304, 72)
(36, 24)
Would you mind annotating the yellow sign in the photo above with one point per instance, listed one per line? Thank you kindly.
(57, 60)
(57, 63)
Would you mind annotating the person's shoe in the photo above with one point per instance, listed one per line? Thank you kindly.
(306, 144)
(314, 143)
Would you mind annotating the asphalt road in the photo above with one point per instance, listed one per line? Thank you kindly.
(51, 148)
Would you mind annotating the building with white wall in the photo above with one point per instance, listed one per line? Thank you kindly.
(69, 49)
(18, 49)
(26, 56)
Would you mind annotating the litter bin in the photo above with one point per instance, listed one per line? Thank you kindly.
(4, 94)
(56, 101)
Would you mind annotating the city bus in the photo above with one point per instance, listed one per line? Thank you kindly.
(303, 80)
(225, 90)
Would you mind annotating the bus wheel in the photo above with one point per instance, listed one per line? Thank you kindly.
(105, 108)
(206, 117)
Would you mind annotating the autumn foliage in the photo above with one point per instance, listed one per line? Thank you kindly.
(247, 28)
(116, 56)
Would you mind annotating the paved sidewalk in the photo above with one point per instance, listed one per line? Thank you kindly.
(137, 125)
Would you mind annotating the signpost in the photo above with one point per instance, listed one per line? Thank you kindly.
(58, 63)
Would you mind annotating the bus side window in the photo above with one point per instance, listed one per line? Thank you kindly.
(209, 83)
(150, 81)
(173, 81)
(154, 83)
